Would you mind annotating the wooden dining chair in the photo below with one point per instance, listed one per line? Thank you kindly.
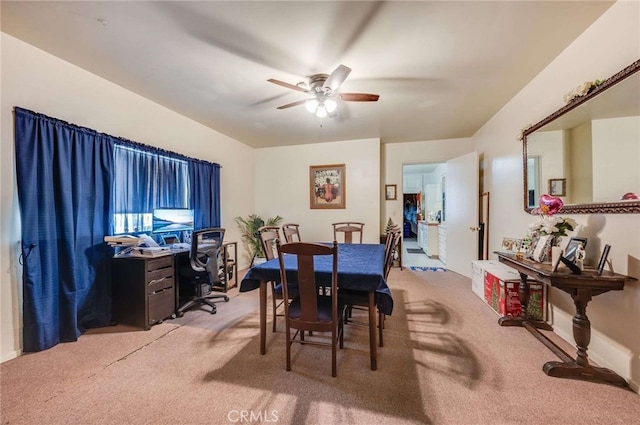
(309, 310)
(351, 299)
(291, 232)
(268, 237)
(348, 228)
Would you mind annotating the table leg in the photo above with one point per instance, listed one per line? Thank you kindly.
(263, 317)
(580, 367)
(523, 293)
(373, 345)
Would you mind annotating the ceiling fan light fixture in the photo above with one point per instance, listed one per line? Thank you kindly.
(330, 105)
(321, 112)
(311, 105)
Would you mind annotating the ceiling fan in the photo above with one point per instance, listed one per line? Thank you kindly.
(323, 89)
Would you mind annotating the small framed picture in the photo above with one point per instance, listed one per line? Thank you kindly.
(511, 244)
(390, 192)
(532, 246)
(603, 258)
(572, 247)
(558, 187)
(541, 251)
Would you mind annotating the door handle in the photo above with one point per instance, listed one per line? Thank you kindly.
(474, 229)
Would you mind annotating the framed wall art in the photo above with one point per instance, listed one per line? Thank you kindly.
(327, 186)
(558, 187)
(390, 192)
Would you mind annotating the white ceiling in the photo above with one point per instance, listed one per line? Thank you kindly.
(442, 69)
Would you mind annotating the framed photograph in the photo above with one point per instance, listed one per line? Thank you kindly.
(603, 258)
(511, 244)
(327, 186)
(543, 246)
(572, 247)
(558, 187)
(390, 192)
(532, 246)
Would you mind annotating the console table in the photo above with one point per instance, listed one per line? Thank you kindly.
(582, 288)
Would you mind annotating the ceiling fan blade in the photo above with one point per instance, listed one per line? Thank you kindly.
(358, 97)
(337, 77)
(287, 85)
(289, 105)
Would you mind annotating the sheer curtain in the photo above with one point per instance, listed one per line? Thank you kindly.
(147, 178)
(71, 183)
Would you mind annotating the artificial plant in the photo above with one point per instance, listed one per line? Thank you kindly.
(249, 232)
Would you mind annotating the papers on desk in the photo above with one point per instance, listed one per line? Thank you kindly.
(150, 252)
(123, 240)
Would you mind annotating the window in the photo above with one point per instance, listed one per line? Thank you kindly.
(145, 181)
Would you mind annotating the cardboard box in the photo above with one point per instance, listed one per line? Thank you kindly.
(493, 276)
(498, 285)
(537, 308)
(509, 298)
(505, 296)
(478, 268)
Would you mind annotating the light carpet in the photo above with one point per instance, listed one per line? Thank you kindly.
(445, 362)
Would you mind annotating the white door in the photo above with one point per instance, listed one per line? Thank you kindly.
(461, 212)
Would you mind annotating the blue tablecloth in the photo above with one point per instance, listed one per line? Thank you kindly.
(360, 267)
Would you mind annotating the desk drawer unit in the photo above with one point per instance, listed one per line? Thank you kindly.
(143, 290)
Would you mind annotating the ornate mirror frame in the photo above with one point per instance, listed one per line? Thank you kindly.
(623, 207)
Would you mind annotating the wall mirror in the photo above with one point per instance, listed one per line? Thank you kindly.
(592, 145)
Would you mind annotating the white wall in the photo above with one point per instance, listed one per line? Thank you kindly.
(609, 45)
(282, 186)
(35, 80)
(612, 170)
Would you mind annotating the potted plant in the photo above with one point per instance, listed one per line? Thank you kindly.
(249, 233)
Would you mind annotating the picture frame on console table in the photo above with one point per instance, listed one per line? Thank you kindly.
(603, 259)
(511, 245)
(543, 246)
(572, 247)
(531, 247)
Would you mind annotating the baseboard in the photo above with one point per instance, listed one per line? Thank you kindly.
(10, 356)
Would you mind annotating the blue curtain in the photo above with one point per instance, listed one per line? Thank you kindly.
(64, 178)
(205, 193)
(67, 178)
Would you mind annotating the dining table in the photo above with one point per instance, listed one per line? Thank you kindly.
(360, 267)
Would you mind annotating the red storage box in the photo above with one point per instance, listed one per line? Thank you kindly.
(501, 291)
(509, 298)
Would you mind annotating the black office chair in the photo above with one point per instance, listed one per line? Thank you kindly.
(205, 268)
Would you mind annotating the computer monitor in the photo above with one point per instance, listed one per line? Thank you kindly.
(172, 220)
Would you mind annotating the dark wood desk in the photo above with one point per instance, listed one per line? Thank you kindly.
(582, 288)
(146, 291)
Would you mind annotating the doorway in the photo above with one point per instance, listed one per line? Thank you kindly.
(423, 197)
